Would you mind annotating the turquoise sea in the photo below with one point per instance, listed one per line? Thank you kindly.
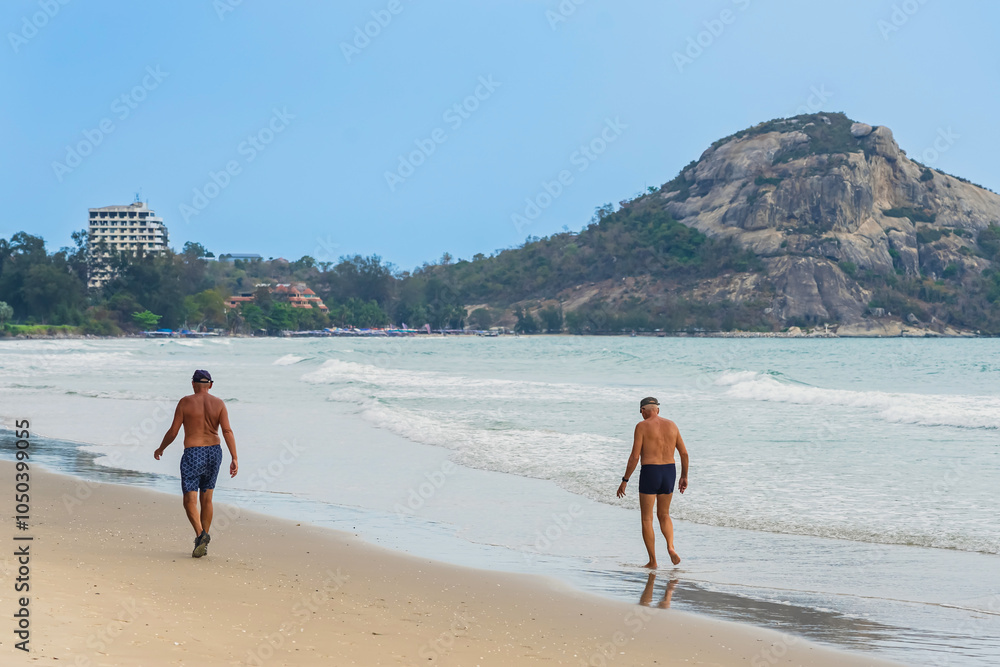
(843, 490)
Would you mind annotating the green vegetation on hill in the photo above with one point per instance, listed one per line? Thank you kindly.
(177, 290)
(825, 138)
(962, 299)
(989, 242)
(681, 183)
(916, 215)
(828, 133)
(639, 239)
(674, 313)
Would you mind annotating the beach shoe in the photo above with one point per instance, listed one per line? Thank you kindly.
(200, 545)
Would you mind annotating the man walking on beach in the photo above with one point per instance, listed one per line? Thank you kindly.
(656, 440)
(201, 415)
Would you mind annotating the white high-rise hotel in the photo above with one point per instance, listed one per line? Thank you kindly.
(133, 229)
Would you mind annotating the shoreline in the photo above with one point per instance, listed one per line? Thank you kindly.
(271, 578)
(851, 332)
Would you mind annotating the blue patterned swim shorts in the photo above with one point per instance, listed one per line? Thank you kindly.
(200, 467)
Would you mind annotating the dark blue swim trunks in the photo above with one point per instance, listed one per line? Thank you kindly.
(657, 478)
(200, 467)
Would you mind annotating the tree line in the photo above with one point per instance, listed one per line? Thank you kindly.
(188, 289)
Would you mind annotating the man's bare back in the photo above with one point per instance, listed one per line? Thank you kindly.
(659, 440)
(201, 415)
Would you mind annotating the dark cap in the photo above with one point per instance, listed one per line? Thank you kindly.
(649, 400)
(203, 377)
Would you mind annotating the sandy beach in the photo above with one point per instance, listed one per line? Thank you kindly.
(113, 583)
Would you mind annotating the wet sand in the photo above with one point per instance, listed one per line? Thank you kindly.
(113, 583)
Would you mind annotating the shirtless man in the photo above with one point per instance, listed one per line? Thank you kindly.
(656, 439)
(201, 415)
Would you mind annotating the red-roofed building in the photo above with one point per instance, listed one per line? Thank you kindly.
(235, 301)
(295, 294)
(298, 295)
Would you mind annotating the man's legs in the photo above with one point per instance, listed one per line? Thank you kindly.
(646, 503)
(191, 508)
(666, 524)
(206, 509)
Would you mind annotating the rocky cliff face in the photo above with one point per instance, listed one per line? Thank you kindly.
(822, 200)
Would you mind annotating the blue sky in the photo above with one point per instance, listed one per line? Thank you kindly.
(102, 99)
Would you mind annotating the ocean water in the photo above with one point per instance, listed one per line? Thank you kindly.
(841, 490)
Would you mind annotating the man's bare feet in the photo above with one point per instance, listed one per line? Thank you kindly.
(674, 557)
(651, 564)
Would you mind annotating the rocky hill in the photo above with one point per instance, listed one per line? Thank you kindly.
(823, 201)
(805, 221)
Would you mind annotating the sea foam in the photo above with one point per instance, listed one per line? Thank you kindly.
(287, 360)
(401, 383)
(962, 411)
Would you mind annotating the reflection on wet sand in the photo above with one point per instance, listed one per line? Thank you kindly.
(67, 458)
(646, 599)
(822, 625)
